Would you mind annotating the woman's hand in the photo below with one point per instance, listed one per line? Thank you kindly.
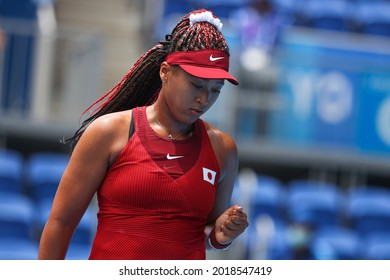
(230, 224)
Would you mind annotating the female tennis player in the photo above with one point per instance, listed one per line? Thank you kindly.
(163, 176)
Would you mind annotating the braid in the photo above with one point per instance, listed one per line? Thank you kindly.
(141, 85)
(137, 88)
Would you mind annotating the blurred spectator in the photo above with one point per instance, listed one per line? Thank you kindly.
(258, 24)
(258, 27)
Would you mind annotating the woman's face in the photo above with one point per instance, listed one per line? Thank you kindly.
(189, 97)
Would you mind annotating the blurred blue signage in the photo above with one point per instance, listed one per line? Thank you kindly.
(334, 91)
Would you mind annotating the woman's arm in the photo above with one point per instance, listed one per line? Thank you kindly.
(227, 221)
(98, 146)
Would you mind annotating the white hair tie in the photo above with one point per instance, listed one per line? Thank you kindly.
(206, 16)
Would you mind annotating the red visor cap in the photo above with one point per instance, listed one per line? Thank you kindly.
(204, 64)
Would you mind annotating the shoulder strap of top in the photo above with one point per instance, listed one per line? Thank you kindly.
(132, 128)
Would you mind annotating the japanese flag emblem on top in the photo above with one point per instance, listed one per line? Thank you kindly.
(209, 175)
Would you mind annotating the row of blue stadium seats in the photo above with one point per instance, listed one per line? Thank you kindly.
(37, 176)
(369, 17)
(282, 241)
(27, 189)
(316, 216)
(22, 249)
(22, 220)
(318, 204)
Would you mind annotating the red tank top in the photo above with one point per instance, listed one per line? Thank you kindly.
(144, 212)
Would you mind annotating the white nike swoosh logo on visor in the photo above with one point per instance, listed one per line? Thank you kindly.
(173, 157)
(215, 58)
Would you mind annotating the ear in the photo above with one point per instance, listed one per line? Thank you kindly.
(164, 71)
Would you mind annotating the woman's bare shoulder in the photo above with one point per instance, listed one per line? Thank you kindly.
(108, 132)
(110, 123)
(220, 138)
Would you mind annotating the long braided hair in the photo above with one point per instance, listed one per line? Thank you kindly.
(141, 85)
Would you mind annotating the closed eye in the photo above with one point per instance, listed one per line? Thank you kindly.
(197, 85)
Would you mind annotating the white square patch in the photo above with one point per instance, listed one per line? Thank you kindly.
(209, 175)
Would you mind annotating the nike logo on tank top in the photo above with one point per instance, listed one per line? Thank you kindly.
(175, 157)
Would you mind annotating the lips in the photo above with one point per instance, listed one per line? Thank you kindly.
(197, 111)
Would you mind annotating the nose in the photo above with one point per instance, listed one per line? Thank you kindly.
(203, 97)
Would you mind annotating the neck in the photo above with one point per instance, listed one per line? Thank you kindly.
(166, 130)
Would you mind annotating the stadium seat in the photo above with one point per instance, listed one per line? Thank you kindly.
(16, 215)
(330, 15)
(315, 204)
(374, 17)
(269, 198)
(377, 246)
(336, 243)
(269, 239)
(280, 246)
(18, 249)
(368, 209)
(43, 173)
(11, 171)
(286, 10)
